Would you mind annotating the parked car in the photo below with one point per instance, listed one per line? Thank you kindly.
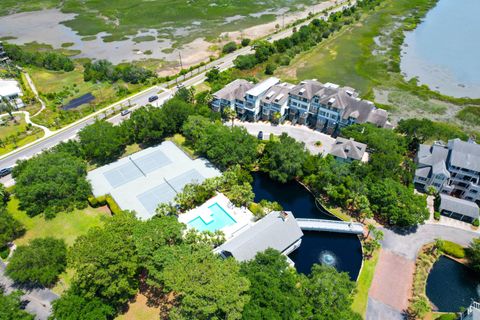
(260, 135)
(152, 98)
(125, 112)
(5, 172)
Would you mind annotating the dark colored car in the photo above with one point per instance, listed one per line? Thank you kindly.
(152, 98)
(260, 135)
(125, 112)
(5, 172)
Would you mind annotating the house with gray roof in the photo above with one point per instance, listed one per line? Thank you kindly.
(231, 96)
(348, 150)
(253, 97)
(452, 168)
(458, 208)
(277, 230)
(275, 102)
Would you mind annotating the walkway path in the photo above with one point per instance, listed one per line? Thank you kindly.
(35, 92)
(300, 133)
(47, 131)
(392, 282)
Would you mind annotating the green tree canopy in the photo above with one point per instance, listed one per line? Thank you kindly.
(10, 229)
(274, 292)
(223, 146)
(38, 263)
(473, 254)
(101, 142)
(146, 125)
(74, 307)
(52, 180)
(206, 286)
(106, 261)
(10, 307)
(283, 159)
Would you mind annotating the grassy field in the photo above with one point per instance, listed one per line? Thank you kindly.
(364, 282)
(179, 140)
(192, 18)
(67, 226)
(362, 56)
(139, 310)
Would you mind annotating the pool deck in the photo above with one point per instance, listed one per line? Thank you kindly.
(242, 216)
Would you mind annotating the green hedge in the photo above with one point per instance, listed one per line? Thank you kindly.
(96, 202)
(112, 204)
(447, 316)
(453, 249)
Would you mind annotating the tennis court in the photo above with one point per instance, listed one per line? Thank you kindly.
(150, 177)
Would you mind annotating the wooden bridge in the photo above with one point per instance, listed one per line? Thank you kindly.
(330, 226)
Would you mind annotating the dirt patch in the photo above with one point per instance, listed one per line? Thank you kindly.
(392, 281)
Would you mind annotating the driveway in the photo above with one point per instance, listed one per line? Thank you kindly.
(392, 282)
(39, 300)
(300, 133)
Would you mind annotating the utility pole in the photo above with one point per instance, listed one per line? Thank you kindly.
(180, 57)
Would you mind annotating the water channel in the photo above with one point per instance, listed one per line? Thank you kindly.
(442, 52)
(342, 251)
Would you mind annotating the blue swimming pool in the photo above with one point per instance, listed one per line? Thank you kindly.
(220, 220)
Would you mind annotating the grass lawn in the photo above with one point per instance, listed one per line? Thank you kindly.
(139, 310)
(339, 213)
(14, 134)
(179, 140)
(67, 226)
(364, 282)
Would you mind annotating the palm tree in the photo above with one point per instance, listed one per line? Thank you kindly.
(370, 228)
(229, 114)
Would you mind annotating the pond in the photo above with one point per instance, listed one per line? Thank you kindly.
(451, 285)
(343, 251)
(443, 50)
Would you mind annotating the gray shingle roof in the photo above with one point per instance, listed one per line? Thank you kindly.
(434, 156)
(465, 154)
(309, 88)
(272, 231)
(277, 94)
(234, 90)
(460, 206)
(348, 148)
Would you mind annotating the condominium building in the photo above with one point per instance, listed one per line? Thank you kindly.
(326, 107)
(274, 103)
(452, 168)
(231, 96)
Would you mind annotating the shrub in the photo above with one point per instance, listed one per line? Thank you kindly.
(96, 202)
(229, 47)
(476, 222)
(270, 68)
(245, 42)
(4, 252)
(453, 249)
(112, 204)
(256, 209)
(447, 316)
(436, 215)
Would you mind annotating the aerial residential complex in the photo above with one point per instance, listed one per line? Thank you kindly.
(452, 169)
(326, 107)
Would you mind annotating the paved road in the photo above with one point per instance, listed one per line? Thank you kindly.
(386, 295)
(38, 301)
